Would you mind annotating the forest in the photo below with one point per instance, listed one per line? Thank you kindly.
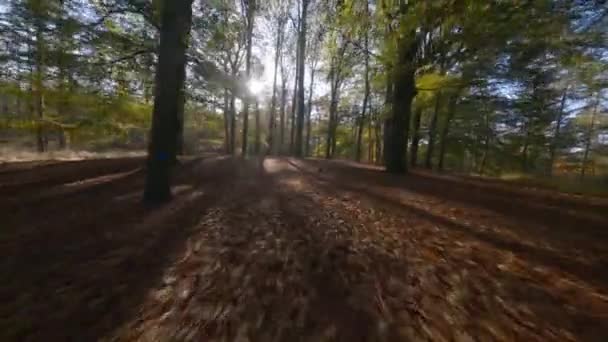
(315, 170)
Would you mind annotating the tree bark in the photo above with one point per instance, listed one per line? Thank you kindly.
(404, 93)
(283, 103)
(232, 124)
(415, 137)
(176, 19)
(589, 136)
(273, 104)
(309, 110)
(301, 57)
(445, 131)
(226, 113)
(258, 134)
(428, 163)
(250, 17)
(366, 90)
(388, 107)
(41, 140)
(558, 124)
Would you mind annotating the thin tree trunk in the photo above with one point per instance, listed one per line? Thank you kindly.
(294, 100)
(176, 19)
(232, 124)
(378, 133)
(258, 134)
(226, 113)
(309, 112)
(387, 124)
(300, 101)
(558, 124)
(41, 140)
(273, 104)
(589, 136)
(415, 137)
(282, 119)
(250, 17)
(446, 131)
(428, 163)
(370, 145)
(366, 91)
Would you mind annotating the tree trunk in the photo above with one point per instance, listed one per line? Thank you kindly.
(558, 124)
(294, 100)
(415, 137)
(404, 93)
(366, 90)
(273, 104)
(282, 119)
(258, 134)
(388, 108)
(332, 124)
(250, 17)
(428, 163)
(226, 113)
(309, 110)
(232, 124)
(370, 145)
(445, 132)
(41, 140)
(300, 102)
(589, 136)
(176, 19)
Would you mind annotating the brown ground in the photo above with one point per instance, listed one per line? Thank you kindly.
(295, 250)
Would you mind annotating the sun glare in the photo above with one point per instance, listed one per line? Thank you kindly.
(255, 86)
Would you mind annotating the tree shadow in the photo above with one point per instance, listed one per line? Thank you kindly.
(81, 267)
(558, 211)
(593, 273)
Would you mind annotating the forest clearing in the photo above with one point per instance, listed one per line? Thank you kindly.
(290, 249)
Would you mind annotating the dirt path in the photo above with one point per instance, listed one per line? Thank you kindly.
(296, 251)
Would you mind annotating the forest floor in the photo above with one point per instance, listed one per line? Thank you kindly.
(295, 250)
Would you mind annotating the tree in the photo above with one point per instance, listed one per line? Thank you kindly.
(300, 85)
(175, 26)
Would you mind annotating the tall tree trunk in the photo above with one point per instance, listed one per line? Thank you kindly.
(445, 131)
(556, 132)
(294, 100)
(589, 136)
(258, 134)
(428, 162)
(370, 145)
(41, 139)
(404, 93)
(282, 118)
(388, 107)
(250, 17)
(330, 149)
(300, 102)
(273, 102)
(309, 109)
(486, 144)
(415, 137)
(175, 25)
(226, 115)
(366, 90)
(378, 133)
(232, 123)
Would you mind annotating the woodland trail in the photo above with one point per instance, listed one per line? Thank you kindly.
(295, 250)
